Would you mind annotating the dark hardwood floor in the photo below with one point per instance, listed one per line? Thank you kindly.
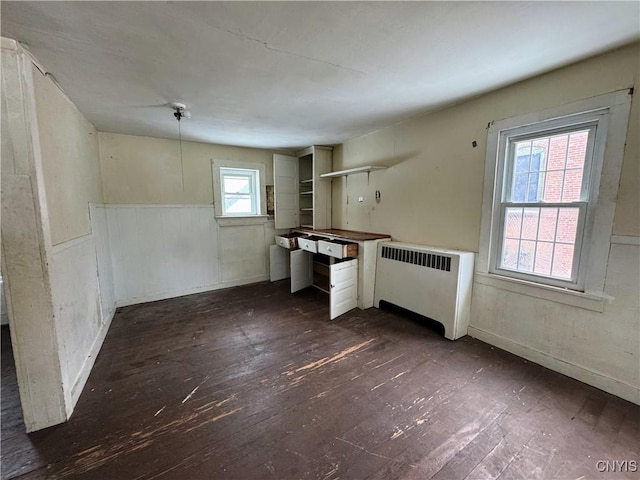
(255, 383)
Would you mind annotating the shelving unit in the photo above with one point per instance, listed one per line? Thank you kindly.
(350, 171)
(301, 198)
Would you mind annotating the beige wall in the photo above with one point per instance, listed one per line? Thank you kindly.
(144, 170)
(71, 169)
(432, 194)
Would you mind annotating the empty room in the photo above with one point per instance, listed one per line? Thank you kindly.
(320, 240)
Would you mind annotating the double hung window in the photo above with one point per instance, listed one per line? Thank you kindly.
(240, 191)
(545, 197)
(551, 181)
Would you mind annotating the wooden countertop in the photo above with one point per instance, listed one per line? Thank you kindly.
(346, 234)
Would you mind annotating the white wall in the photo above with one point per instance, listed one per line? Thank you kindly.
(165, 239)
(598, 348)
(163, 251)
(57, 315)
(432, 194)
(71, 180)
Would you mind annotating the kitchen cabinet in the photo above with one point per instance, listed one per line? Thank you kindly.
(339, 262)
(302, 198)
(339, 279)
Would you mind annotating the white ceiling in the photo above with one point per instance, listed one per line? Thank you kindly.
(291, 74)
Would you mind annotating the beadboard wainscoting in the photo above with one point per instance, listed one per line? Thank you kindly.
(82, 315)
(165, 251)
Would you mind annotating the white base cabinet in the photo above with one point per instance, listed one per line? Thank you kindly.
(329, 250)
(340, 276)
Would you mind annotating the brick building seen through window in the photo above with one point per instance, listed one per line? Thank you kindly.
(537, 239)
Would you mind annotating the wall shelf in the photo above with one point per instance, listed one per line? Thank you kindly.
(342, 173)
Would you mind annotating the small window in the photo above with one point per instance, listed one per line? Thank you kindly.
(240, 191)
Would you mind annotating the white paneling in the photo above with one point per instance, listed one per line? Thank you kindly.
(242, 253)
(128, 277)
(163, 251)
(152, 249)
(77, 308)
(100, 231)
(598, 348)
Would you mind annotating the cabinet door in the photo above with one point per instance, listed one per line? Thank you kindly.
(286, 182)
(321, 188)
(278, 263)
(301, 270)
(343, 287)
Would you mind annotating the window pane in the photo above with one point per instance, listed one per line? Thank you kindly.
(557, 152)
(553, 186)
(572, 185)
(513, 223)
(577, 149)
(530, 223)
(547, 227)
(510, 254)
(562, 261)
(238, 204)
(520, 184)
(544, 256)
(540, 240)
(548, 168)
(526, 256)
(567, 225)
(238, 184)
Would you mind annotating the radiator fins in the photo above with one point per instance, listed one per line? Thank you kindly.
(424, 259)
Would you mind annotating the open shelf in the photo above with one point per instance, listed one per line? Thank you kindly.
(342, 173)
(309, 180)
(308, 192)
(306, 209)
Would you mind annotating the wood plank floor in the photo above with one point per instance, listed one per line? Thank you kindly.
(255, 383)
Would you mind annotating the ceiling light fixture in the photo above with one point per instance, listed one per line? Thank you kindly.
(180, 111)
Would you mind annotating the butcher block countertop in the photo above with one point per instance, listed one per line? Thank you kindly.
(346, 234)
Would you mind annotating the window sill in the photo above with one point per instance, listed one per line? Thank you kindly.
(233, 220)
(587, 301)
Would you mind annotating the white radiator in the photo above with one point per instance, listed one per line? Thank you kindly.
(433, 282)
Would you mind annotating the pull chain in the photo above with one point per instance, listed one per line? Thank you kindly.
(181, 159)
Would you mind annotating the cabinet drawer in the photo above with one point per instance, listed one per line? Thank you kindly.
(288, 240)
(309, 243)
(338, 248)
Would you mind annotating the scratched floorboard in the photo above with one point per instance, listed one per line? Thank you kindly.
(255, 383)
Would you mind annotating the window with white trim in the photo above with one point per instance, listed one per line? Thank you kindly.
(238, 188)
(545, 190)
(548, 213)
(240, 191)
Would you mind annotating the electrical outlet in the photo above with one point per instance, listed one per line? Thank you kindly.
(361, 199)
